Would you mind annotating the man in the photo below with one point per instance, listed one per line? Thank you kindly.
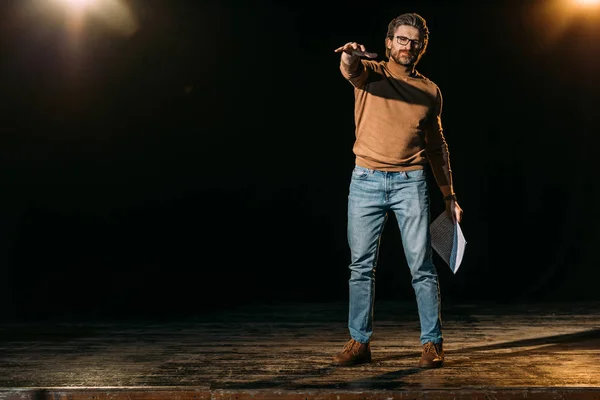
(398, 132)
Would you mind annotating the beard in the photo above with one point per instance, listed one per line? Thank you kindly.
(405, 58)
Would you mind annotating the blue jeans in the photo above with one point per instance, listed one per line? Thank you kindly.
(372, 195)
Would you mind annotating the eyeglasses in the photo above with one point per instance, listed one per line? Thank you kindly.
(403, 40)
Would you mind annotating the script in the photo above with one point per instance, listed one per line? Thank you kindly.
(448, 240)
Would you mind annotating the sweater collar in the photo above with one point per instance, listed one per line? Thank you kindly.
(400, 70)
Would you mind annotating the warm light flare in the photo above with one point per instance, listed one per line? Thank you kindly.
(77, 4)
(112, 13)
(552, 19)
(590, 7)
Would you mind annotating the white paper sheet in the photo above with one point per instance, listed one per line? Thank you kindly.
(448, 240)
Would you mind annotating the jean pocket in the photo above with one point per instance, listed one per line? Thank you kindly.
(359, 172)
(416, 174)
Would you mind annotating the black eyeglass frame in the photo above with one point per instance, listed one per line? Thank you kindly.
(403, 41)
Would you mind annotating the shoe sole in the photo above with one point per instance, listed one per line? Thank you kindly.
(429, 366)
(350, 364)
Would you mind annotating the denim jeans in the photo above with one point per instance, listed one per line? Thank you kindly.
(372, 195)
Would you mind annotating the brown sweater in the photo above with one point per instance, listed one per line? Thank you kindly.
(398, 120)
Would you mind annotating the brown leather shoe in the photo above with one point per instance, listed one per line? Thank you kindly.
(432, 355)
(353, 353)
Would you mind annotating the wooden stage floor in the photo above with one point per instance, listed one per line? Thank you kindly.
(517, 351)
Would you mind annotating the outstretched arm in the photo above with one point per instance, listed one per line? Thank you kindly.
(351, 66)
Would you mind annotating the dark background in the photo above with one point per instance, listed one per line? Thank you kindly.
(203, 160)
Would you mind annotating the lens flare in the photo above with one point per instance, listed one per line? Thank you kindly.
(78, 4)
(113, 14)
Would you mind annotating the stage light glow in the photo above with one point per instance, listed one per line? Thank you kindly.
(116, 16)
(551, 20)
(79, 3)
(112, 13)
(76, 4)
(587, 7)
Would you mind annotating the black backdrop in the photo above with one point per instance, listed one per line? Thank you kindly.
(203, 160)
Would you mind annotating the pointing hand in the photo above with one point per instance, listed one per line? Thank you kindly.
(355, 49)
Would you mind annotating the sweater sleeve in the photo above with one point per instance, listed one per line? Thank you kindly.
(356, 73)
(437, 148)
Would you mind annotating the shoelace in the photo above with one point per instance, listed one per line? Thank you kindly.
(430, 348)
(352, 347)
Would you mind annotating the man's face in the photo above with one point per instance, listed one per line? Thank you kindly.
(405, 47)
